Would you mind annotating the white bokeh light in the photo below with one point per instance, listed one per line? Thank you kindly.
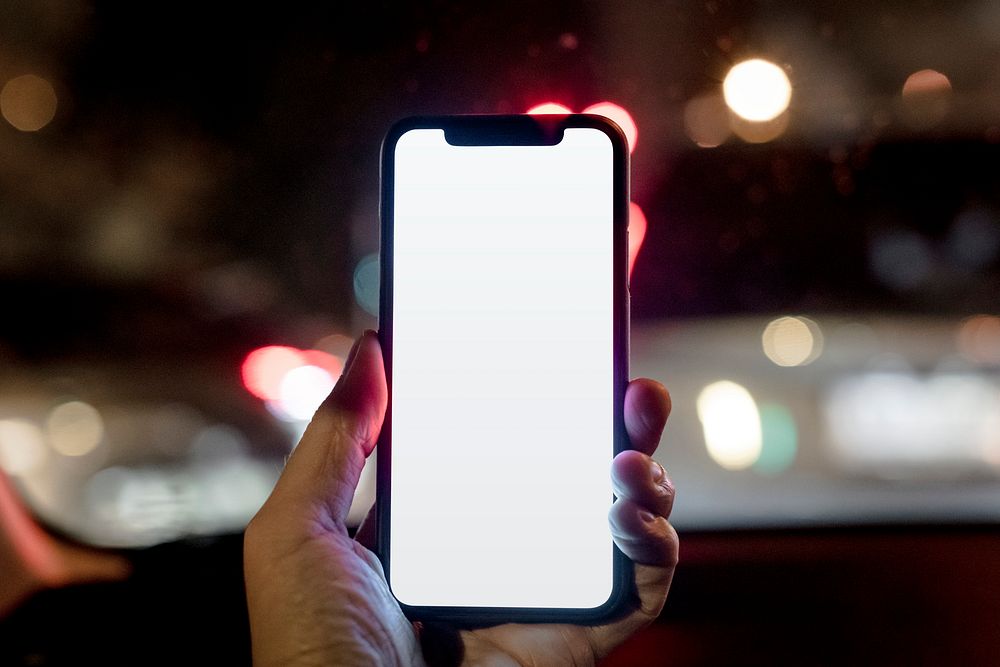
(792, 341)
(731, 423)
(74, 428)
(888, 421)
(302, 390)
(22, 447)
(757, 90)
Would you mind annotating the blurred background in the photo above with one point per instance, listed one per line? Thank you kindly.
(188, 245)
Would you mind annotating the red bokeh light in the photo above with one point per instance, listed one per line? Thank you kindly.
(549, 108)
(620, 116)
(636, 233)
(264, 368)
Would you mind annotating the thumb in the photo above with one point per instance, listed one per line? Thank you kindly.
(322, 473)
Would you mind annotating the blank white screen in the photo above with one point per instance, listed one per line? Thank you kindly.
(502, 381)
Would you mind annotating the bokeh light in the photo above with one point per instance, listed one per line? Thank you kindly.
(328, 362)
(979, 339)
(792, 341)
(973, 241)
(731, 423)
(151, 502)
(549, 108)
(926, 81)
(926, 98)
(133, 507)
(706, 120)
(141, 506)
(757, 90)
(366, 283)
(74, 428)
(636, 233)
(569, 41)
(754, 132)
(779, 440)
(28, 102)
(622, 117)
(231, 492)
(292, 382)
(901, 259)
(302, 391)
(22, 446)
(264, 368)
(892, 421)
(101, 492)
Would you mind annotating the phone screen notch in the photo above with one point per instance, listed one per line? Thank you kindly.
(511, 131)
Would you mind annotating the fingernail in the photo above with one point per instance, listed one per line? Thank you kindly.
(657, 470)
(647, 516)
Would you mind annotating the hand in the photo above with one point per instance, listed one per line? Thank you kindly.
(32, 560)
(318, 597)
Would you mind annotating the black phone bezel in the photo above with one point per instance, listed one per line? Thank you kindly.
(508, 130)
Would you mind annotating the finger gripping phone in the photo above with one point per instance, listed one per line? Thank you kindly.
(504, 325)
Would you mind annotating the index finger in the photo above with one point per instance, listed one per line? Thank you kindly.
(647, 406)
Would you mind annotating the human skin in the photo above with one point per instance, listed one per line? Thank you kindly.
(317, 596)
(31, 560)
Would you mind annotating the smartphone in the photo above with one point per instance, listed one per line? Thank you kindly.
(504, 325)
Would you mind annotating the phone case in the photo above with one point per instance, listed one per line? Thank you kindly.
(509, 130)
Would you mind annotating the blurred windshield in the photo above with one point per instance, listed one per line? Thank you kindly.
(189, 234)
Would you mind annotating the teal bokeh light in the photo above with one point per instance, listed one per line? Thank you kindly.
(366, 283)
(780, 439)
